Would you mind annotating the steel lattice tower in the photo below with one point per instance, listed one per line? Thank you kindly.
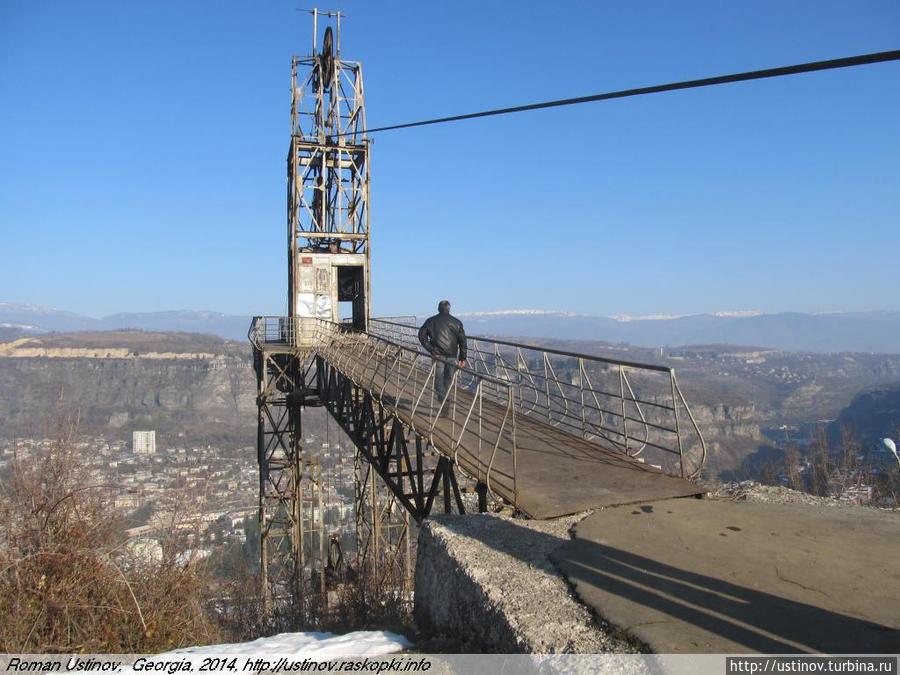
(328, 270)
(544, 431)
(328, 185)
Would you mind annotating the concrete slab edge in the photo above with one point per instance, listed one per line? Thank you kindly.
(487, 580)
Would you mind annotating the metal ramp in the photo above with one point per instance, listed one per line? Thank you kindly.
(544, 430)
(549, 432)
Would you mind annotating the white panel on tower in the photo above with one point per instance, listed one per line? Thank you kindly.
(306, 304)
(323, 306)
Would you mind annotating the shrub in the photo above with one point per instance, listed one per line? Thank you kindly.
(69, 580)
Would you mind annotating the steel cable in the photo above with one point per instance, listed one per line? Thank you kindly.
(832, 64)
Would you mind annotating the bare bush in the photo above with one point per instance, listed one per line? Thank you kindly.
(793, 467)
(350, 602)
(820, 465)
(239, 607)
(362, 603)
(69, 581)
(843, 471)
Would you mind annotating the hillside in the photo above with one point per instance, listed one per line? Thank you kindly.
(197, 386)
(873, 414)
(202, 387)
(749, 401)
(122, 344)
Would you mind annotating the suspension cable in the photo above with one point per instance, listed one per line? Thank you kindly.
(832, 64)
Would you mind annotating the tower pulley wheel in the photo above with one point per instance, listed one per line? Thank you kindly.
(326, 59)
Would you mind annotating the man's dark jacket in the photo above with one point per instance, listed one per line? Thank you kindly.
(444, 334)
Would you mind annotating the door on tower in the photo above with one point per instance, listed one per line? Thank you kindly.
(352, 295)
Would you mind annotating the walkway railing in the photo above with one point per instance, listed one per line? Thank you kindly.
(271, 330)
(636, 408)
(402, 378)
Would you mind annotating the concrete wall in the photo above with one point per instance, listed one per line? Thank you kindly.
(486, 580)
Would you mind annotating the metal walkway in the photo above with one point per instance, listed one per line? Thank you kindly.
(550, 432)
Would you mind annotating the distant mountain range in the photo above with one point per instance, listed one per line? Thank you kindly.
(877, 332)
(35, 319)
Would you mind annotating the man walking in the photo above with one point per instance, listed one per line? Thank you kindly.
(444, 338)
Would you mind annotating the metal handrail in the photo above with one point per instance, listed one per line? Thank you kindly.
(637, 412)
(630, 407)
(546, 350)
(271, 330)
(400, 378)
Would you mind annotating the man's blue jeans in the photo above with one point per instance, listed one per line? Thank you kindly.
(443, 376)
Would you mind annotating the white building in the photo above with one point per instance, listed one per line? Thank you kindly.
(143, 442)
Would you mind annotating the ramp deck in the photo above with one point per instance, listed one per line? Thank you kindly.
(549, 472)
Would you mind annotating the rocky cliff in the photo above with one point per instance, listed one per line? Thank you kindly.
(873, 414)
(194, 392)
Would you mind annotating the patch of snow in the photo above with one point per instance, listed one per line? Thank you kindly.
(520, 312)
(649, 317)
(314, 645)
(23, 326)
(738, 313)
(617, 317)
(24, 307)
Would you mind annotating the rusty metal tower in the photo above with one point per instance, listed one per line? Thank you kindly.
(328, 279)
(328, 185)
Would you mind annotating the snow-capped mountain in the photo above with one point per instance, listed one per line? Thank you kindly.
(34, 319)
(790, 331)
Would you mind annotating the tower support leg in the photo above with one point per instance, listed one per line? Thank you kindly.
(290, 513)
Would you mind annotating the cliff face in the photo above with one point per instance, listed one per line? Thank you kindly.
(199, 389)
(203, 398)
(729, 421)
(873, 414)
(201, 392)
(732, 433)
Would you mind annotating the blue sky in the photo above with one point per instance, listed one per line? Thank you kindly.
(143, 146)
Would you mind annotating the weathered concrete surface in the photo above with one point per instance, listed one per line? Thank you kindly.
(689, 575)
(487, 581)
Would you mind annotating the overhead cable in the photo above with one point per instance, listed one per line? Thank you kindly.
(832, 64)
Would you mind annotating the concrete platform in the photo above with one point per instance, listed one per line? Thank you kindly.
(702, 576)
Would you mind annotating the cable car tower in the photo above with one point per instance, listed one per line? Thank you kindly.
(328, 185)
(328, 279)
